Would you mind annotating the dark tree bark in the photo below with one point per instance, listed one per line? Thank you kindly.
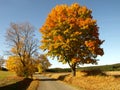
(73, 68)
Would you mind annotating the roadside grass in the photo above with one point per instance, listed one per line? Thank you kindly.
(4, 74)
(96, 80)
(33, 85)
(9, 81)
(23, 84)
(7, 77)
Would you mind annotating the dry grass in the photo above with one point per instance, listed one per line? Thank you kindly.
(4, 74)
(19, 85)
(92, 82)
(113, 73)
(33, 85)
(9, 81)
(7, 77)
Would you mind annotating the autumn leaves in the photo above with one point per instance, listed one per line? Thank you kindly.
(71, 34)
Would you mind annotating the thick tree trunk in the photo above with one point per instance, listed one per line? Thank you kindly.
(73, 71)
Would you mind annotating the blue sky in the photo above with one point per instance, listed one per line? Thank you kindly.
(106, 12)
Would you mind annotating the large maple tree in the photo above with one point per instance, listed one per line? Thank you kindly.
(71, 34)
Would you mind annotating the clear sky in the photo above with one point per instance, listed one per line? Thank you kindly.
(106, 12)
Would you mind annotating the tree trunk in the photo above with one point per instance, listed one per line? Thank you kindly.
(73, 68)
(73, 71)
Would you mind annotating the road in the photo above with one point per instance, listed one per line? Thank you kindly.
(47, 83)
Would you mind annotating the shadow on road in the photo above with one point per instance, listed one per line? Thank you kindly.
(116, 76)
(48, 79)
(21, 85)
(61, 77)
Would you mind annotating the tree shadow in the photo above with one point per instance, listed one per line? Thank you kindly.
(49, 79)
(97, 72)
(116, 76)
(21, 85)
(61, 77)
(94, 72)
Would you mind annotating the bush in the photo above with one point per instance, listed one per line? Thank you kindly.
(4, 69)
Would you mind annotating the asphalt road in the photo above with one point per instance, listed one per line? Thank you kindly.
(47, 83)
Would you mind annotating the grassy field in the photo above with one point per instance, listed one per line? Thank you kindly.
(4, 74)
(6, 78)
(106, 77)
(95, 81)
(9, 81)
(87, 81)
(112, 67)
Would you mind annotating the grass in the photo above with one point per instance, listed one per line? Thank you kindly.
(22, 84)
(94, 82)
(4, 74)
(91, 81)
(33, 85)
(113, 67)
(7, 77)
(9, 81)
(105, 77)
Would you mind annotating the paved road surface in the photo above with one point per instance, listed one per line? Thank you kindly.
(47, 83)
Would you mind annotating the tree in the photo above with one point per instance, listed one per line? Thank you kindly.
(40, 68)
(42, 63)
(23, 44)
(71, 34)
(14, 64)
(2, 61)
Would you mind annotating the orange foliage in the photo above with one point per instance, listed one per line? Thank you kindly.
(75, 60)
(13, 63)
(71, 34)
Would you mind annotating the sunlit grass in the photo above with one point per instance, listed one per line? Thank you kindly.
(9, 81)
(4, 74)
(34, 85)
(7, 78)
(92, 82)
(97, 82)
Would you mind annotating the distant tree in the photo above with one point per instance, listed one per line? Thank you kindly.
(42, 63)
(23, 45)
(40, 68)
(2, 61)
(71, 34)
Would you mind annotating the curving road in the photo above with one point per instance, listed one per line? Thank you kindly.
(47, 83)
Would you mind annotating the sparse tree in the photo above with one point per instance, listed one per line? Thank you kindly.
(71, 34)
(2, 61)
(42, 63)
(23, 44)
